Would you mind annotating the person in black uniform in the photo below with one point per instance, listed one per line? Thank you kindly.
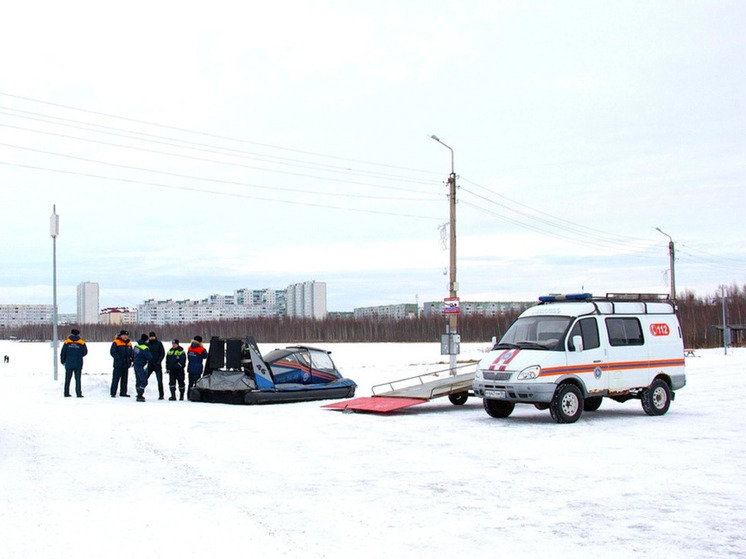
(175, 363)
(71, 356)
(155, 364)
(141, 356)
(121, 353)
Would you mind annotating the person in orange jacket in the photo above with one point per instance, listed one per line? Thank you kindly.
(196, 355)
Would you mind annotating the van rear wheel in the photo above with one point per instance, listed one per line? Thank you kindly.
(656, 399)
(498, 408)
(567, 404)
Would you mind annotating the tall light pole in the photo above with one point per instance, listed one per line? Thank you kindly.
(671, 262)
(54, 231)
(452, 284)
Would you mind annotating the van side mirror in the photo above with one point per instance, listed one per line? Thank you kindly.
(494, 340)
(577, 342)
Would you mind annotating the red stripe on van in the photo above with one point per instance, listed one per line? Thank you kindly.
(618, 366)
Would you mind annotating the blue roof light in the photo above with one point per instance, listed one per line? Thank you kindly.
(568, 297)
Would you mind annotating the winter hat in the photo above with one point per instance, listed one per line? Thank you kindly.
(144, 338)
(124, 333)
(175, 342)
(198, 339)
(75, 332)
(152, 335)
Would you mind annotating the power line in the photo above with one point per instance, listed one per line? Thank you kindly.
(210, 135)
(216, 192)
(221, 181)
(713, 261)
(523, 215)
(194, 146)
(567, 236)
(557, 222)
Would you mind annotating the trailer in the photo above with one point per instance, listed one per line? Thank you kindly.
(411, 391)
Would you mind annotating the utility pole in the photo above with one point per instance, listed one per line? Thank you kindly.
(670, 263)
(726, 332)
(54, 231)
(453, 337)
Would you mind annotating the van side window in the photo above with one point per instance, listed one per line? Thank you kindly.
(624, 331)
(588, 330)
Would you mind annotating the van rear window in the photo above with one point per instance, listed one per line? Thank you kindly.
(624, 331)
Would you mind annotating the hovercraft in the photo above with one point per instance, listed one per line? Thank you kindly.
(236, 373)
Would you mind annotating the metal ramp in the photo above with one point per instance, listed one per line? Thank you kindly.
(411, 391)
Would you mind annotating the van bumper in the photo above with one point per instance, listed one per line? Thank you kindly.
(678, 381)
(530, 393)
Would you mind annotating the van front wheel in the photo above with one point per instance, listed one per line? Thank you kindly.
(656, 399)
(567, 404)
(498, 408)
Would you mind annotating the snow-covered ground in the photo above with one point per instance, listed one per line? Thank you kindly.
(103, 477)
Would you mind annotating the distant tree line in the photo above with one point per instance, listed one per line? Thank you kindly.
(284, 330)
(702, 318)
(701, 321)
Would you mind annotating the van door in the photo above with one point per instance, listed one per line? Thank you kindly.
(589, 363)
(628, 353)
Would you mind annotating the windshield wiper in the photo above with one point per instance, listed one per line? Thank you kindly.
(506, 345)
(531, 345)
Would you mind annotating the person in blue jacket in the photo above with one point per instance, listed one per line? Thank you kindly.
(141, 356)
(121, 353)
(196, 355)
(71, 356)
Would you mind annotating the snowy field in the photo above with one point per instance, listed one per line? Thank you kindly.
(103, 477)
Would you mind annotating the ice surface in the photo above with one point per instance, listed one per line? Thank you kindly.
(103, 477)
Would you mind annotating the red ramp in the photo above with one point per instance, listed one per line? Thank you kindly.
(378, 404)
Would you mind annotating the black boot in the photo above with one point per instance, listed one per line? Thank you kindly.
(173, 395)
(181, 394)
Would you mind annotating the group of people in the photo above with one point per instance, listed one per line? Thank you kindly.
(145, 357)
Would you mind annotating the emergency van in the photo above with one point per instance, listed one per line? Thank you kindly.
(570, 351)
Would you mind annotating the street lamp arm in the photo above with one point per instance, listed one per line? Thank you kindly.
(434, 137)
(666, 234)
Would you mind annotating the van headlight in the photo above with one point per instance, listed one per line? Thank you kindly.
(478, 374)
(530, 373)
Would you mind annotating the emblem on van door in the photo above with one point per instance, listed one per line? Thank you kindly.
(660, 329)
(597, 372)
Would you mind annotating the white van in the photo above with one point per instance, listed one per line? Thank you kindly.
(570, 351)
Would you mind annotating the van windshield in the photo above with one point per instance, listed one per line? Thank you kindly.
(536, 332)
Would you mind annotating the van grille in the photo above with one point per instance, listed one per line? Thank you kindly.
(492, 375)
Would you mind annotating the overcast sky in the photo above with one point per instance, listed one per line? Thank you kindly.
(196, 148)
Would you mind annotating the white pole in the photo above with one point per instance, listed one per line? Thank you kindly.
(54, 231)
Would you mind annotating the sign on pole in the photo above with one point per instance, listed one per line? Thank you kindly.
(451, 305)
